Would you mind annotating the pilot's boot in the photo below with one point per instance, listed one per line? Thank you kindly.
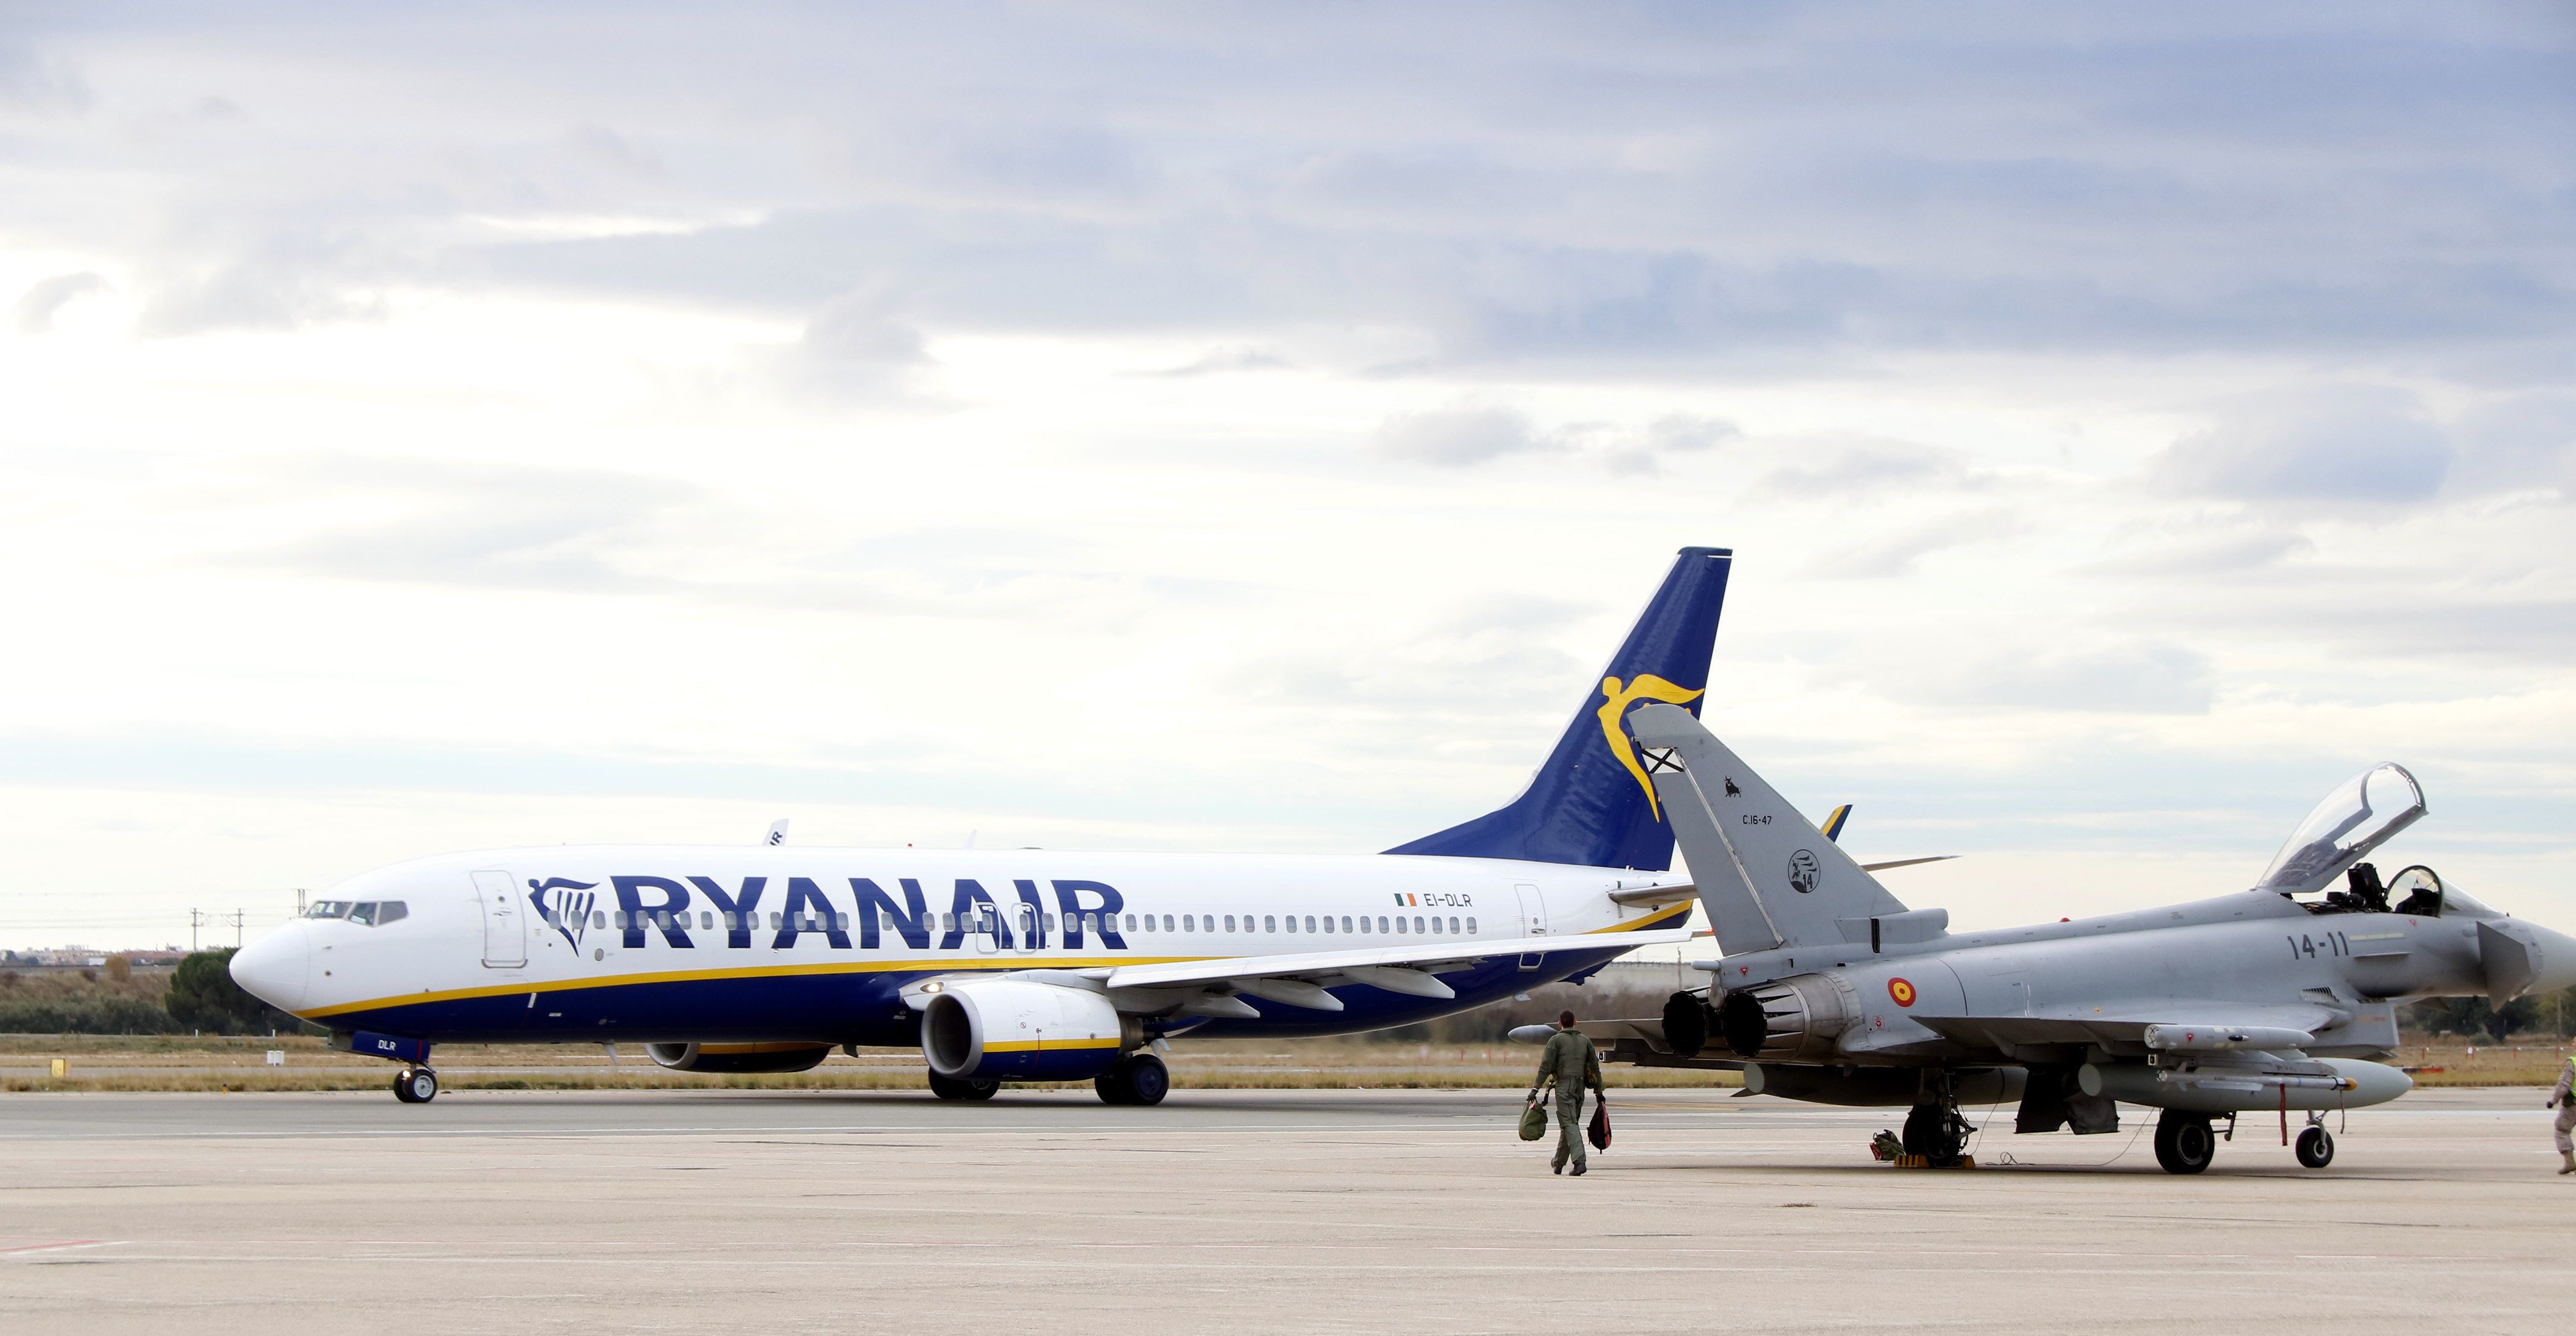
(2569, 1157)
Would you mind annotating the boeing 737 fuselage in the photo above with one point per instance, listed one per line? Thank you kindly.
(1012, 965)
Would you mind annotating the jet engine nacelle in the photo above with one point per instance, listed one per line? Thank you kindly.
(1014, 1030)
(1796, 1019)
(736, 1058)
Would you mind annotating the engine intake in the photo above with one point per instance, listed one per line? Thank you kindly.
(739, 1058)
(1009, 1029)
(1794, 1020)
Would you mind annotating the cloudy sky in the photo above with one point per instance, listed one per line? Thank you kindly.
(1249, 427)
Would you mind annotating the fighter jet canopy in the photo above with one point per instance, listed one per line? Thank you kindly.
(2356, 818)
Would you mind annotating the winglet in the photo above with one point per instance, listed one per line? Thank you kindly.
(1833, 827)
(777, 833)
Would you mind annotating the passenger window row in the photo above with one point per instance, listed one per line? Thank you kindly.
(707, 920)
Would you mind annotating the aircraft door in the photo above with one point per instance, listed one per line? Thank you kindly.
(505, 923)
(1533, 910)
(1533, 920)
(986, 930)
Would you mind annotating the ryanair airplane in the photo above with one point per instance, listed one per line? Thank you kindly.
(1026, 965)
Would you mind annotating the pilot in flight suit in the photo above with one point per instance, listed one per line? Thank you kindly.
(2560, 1099)
(1574, 1064)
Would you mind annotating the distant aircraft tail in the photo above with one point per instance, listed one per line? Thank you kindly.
(1591, 803)
(1766, 876)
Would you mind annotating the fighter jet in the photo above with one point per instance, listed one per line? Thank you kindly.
(2275, 999)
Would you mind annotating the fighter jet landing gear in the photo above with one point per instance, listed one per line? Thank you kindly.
(419, 1085)
(962, 1087)
(1139, 1079)
(1935, 1132)
(2315, 1147)
(2184, 1142)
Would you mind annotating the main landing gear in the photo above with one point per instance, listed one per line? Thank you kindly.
(1140, 1078)
(963, 1087)
(1935, 1130)
(2185, 1144)
(415, 1085)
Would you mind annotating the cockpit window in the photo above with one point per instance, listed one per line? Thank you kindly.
(2421, 892)
(373, 913)
(2357, 817)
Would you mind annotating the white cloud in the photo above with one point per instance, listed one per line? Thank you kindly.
(1251, 428)
(2339, 445)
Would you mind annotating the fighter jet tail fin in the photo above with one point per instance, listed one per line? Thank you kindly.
(1767, 876)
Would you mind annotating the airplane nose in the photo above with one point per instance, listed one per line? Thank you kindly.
(274, 968)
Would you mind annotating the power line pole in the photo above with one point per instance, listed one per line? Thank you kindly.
(237, 929)
(196, 920)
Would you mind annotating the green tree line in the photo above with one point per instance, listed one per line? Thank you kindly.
(200, 997)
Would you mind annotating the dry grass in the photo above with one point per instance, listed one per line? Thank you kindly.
(2451, 1063)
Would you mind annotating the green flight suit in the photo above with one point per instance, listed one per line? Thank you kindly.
(1573, 1064)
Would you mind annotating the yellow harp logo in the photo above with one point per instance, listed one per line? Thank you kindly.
(1615, 700)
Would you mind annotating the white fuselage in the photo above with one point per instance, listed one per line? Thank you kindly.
(675, 942)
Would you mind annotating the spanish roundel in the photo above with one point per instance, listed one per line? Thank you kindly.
(1902, 991)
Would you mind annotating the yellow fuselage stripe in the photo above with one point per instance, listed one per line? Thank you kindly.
(978, 962)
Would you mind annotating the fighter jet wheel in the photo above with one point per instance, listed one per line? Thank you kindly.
(2184, 1143)
(415, 1085)
(962, 1087)
(1937, 1133)
(2315, 1148)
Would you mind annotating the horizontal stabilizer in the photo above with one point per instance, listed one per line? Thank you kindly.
(1906, 862)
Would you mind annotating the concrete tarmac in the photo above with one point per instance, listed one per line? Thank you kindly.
(1254, 1211)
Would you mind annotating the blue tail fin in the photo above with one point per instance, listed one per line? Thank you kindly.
(1591, 802)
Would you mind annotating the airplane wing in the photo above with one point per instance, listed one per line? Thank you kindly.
(2128, 1025)
(1402, 969)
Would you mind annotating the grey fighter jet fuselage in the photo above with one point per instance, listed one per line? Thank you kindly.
(2278, 998)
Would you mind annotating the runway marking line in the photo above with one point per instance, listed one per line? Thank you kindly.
(30, 1249)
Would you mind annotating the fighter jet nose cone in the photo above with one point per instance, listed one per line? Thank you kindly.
(274, 968)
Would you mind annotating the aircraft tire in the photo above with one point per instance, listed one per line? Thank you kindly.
(2184, 1143)
(1140, 1079)
(1148, 1080)
(415, 1085)
(962, 1087)
(2315, 1148)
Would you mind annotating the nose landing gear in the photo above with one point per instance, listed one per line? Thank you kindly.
(2315, 1147)
(415, 1085)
